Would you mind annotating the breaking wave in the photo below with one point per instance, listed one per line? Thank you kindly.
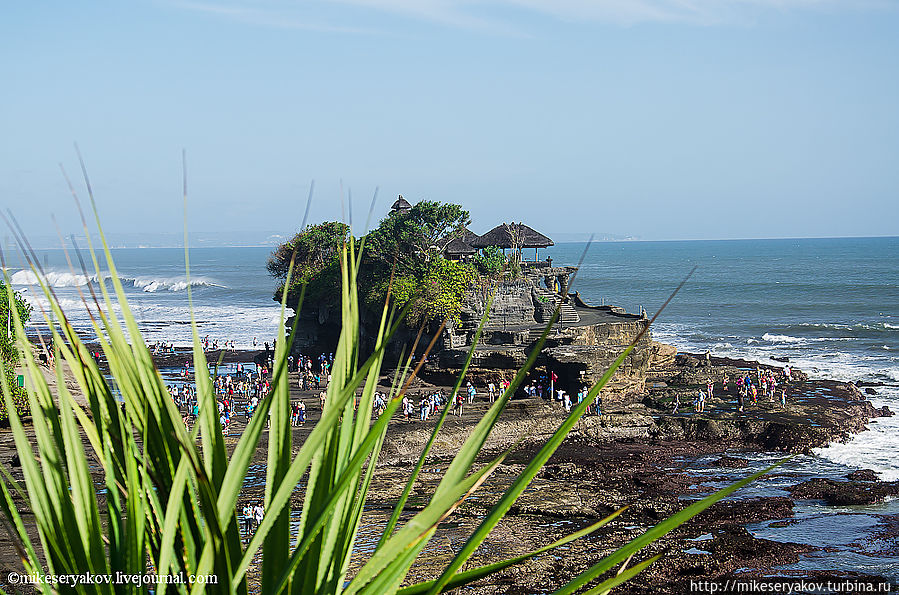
(782, 338)
(787, 339)
(151, 285)
(51, 278)
(57, 279)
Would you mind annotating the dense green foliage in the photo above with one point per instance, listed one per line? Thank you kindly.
(8, 352)
(313, 248)
(434, 296)
(490, 261)
(315, 252)
(411, 240)
(406, 246)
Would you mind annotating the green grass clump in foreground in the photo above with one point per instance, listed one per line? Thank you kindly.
(171, 493)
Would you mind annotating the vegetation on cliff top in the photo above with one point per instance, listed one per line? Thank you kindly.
(406, 246)
(8, 352)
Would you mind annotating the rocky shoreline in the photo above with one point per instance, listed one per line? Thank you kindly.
(644, 457)
(641, 456)
(638, 455)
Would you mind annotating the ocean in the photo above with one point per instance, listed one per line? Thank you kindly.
(829, 305)
(232, 292)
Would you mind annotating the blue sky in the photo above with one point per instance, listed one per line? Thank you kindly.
(662, 119)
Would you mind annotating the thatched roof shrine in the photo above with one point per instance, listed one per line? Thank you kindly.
(458, 247)
(459, 244)
(513, 235)
(401, 205)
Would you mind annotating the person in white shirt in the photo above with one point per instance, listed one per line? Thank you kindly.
(259, 514)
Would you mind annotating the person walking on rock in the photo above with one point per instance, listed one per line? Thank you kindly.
(259, 514)
(247, 518)
(700, 402)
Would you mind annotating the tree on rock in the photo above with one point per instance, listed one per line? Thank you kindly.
(412, 238)
(313, 248)
(405, 247)
(315, 251)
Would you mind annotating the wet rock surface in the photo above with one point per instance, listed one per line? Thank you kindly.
(639, 456)
(863, 475)
(845, 493)
(731, 462)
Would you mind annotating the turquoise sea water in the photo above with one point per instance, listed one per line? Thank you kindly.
(829, 305)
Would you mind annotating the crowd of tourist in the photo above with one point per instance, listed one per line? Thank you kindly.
(750, 387)
(242, 390)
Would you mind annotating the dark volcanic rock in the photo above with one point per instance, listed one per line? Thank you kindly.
(749, 510)
(685, 360)
(870, 391)
(731, 462)
(732, 549)
(738, 544)
(863, 475)
(842, 493)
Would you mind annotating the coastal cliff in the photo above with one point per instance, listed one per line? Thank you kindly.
(579, 347)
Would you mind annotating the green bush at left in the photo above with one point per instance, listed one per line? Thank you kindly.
(8, 352)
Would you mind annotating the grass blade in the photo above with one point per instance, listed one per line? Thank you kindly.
(475, 574)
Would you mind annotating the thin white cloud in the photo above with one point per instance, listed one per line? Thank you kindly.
(258, 13)
(503, 16)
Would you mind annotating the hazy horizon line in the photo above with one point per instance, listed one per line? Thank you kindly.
(121, 243)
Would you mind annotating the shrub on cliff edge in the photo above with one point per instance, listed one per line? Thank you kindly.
(9, 354)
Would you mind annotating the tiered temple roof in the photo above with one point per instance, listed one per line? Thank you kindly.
(513, 235)
(401, 205)
(459, 244)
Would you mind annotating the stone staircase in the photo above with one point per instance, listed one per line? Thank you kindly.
(568, 314)
(534, 334)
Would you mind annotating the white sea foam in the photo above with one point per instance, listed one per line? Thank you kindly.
(163, 315)
(771, 338)
(789, 340)
(51, 278)
(151, 285)
(60, 279)
(875, 448)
